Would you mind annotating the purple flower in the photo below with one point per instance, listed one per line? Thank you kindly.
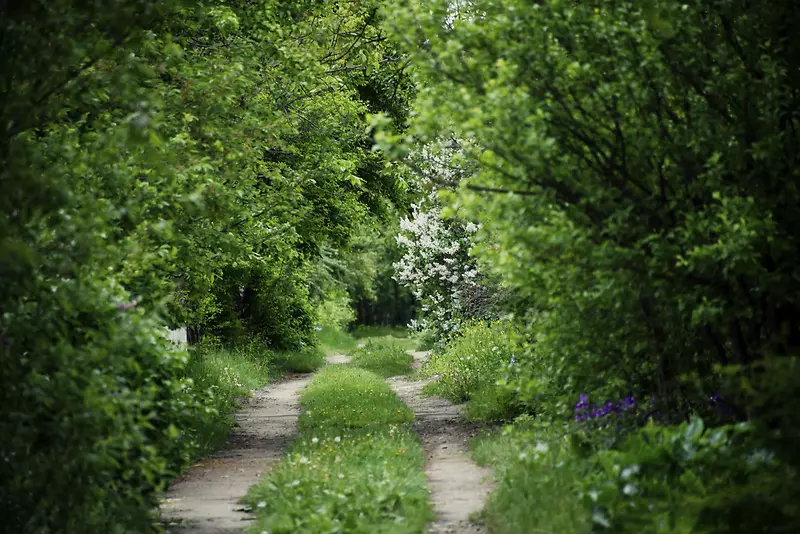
(585, 411)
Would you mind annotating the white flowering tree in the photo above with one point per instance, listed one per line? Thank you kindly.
(437, 267)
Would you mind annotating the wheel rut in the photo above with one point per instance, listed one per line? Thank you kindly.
(459, 487)
(206, 500)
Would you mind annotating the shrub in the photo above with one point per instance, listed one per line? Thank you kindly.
(689, 478)
(335, 312)
(96, 414)
(471, 366)
(383, 358)
(641, 263)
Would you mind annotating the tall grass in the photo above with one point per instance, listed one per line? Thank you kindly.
(222, 376)
(537, 475)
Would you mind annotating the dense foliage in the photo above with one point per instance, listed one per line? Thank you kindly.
(636, 185)
(619, 180)
(164, 163)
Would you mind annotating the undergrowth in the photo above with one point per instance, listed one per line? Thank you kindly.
(222, 376)
(357, 466)
(536, 482)
(471, 368)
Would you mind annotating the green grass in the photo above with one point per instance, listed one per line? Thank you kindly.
(399, 335)
(344, 397)
(536, 482)
(383, 358)
(356, 468)
(305, 360)
(334, 341)
(224, 375)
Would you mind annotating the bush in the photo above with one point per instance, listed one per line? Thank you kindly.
(689, 478)
(96, 414)
(638, 262)
(335, 311)
(471, 366)
(383, 358)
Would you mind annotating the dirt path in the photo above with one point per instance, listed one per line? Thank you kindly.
(206, 499)
(458, 486)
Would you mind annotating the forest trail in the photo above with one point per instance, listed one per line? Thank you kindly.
(459, 487)
(206, 499)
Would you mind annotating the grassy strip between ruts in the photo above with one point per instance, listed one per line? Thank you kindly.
(357, 466)
(383, 358)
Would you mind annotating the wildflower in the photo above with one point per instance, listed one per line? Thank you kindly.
(337, 439)
(314, 440)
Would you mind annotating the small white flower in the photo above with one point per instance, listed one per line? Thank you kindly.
(337, 439)
(262, 504)
(303, 460)
(314, 440)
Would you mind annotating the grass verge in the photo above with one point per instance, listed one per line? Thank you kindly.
(305, 360)
(222, 376)
(335, 341)
(357, 466)
(398, 335)
(536, 475)
(383, 358)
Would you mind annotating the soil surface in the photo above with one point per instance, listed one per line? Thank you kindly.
(206, 499)
(459, 487)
